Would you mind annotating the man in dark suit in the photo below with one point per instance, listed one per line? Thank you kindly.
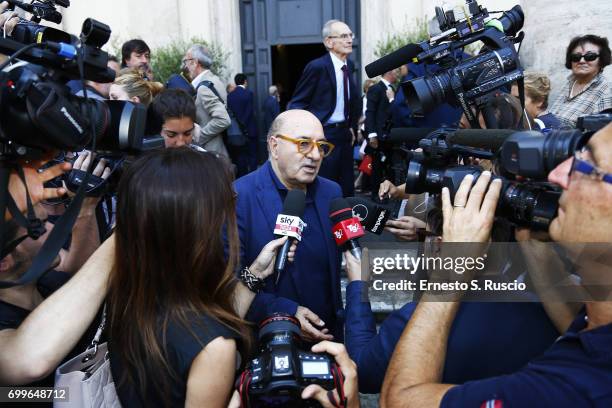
(377, 116)
(241, 102)
(327, 90)
(271, 107)
(309, 288)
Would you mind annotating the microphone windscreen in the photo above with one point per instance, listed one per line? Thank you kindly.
(394, 60)
(410, 136)
(482, 138)
(372, 216)
(339, 210)
(294, 203)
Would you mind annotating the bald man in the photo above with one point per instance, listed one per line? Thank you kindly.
(309, 288)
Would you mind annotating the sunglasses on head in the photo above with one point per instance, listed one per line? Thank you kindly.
(589, 57)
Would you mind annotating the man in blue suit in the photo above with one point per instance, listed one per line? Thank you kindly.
(309, 288)
(241, 102)
(327, 90)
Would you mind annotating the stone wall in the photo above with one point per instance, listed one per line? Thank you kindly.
(160, 22)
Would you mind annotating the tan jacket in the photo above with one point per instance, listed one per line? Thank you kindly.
(211, 115)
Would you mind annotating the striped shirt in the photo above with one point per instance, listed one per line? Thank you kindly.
(594, 98)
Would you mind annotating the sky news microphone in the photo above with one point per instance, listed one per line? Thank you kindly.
(373, 216)
(346, 228)
(289, 223)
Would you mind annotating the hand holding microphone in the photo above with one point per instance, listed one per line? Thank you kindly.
(289, 223)
(346, 228)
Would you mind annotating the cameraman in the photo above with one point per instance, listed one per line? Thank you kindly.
(577, 370)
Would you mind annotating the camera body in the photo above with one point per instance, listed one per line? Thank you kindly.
(283, 368)
(531, 204)
(37, 111)
(463, 82)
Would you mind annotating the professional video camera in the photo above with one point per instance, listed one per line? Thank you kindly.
(529, 204)
(38, 112)
(524, 160)
(464, 83)
(281, 371)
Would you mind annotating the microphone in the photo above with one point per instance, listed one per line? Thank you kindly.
(373, 216)
(346, 228)
(410, 136)
(289, 223)
(394, 60)
(481, 138)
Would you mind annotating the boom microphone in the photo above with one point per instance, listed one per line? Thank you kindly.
(346, 228)
(373, 217)
(289, 223)
(410, 136)
(394, 60)
(481, 138)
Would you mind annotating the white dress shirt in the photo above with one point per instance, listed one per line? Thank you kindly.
(338, 115)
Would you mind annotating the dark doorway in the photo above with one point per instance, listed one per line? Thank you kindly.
(288, 62)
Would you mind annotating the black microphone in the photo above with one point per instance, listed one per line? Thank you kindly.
(289, 223)
(480, 138)
(394, 60)
(410, 136)
(373, 216)
(346, 228)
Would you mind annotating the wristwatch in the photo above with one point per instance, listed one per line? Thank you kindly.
(251, 281)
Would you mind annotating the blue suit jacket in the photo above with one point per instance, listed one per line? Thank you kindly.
(487, 339)
(316, 90)
(241, 101)
(258, 204)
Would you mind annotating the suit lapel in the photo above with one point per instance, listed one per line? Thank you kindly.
(332, 75)
(322, 207)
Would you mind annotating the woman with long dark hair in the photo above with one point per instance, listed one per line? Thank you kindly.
(174, 305)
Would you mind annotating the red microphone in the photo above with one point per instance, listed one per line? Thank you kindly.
(346, 228)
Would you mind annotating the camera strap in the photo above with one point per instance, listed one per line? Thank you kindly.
(521, 88)
(56, 239)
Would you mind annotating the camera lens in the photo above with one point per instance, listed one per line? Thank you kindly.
(532, 206)
(280, 329)
(512, 20)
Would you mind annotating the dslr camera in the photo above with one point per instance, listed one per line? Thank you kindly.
(283, 368)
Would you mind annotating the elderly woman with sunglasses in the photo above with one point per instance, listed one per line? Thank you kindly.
(586, 91)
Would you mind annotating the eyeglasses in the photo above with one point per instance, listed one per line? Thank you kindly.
(344, 36)
(305, 146)
(589, 57)
(186, 60)
(580, 165)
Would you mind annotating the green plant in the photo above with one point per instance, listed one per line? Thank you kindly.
(415, 34)
(167, 60)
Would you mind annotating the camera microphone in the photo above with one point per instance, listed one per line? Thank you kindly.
(492, 139)
(373, 216)
(394, 60)
(289, 223)
(409, 136)
(346, 228)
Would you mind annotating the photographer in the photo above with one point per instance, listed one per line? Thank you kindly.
(577, 370)
(51, 330)
(479, 346)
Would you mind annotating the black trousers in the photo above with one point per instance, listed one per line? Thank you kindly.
(338, 166)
